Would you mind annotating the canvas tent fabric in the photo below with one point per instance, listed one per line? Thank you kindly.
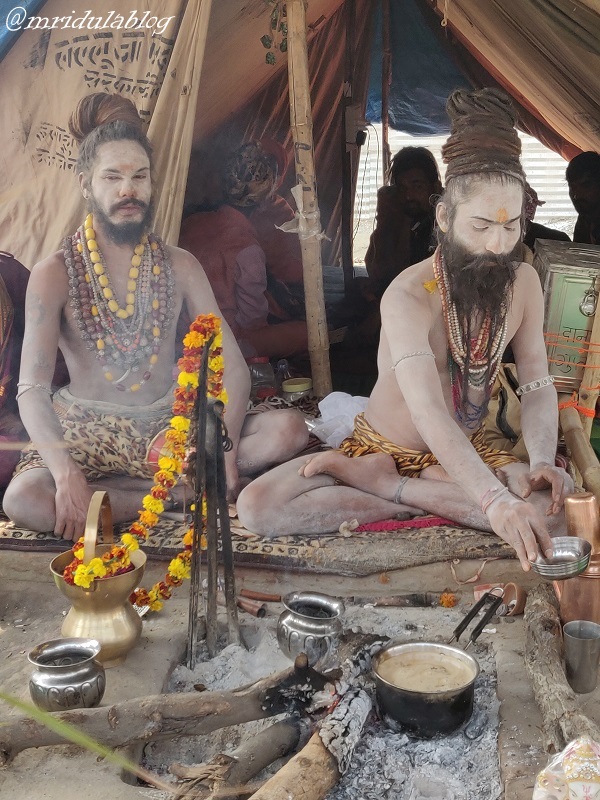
(423, 74)
(45, 74)
(542, 51)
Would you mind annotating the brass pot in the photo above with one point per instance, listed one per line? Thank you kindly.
(102, 612)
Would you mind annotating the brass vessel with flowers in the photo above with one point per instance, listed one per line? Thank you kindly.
(102, 610)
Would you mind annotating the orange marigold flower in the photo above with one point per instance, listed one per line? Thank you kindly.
(170, 580)
(160, 492)
(148, 518)
(188, 538)
(165, 478)
(448, 599)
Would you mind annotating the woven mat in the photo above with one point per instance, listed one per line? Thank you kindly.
(365, 551)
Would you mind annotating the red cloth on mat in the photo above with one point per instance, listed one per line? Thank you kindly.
(396, 524)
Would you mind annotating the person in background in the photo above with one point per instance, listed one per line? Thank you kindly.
(225, 243)
(583, 177)
(403, 234)
(533, 230)
(252, 176)
(13, 286)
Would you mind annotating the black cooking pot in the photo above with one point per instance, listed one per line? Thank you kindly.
(427, 688)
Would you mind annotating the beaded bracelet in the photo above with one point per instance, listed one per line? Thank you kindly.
(531, 387)
(27, 386)
(491, 495)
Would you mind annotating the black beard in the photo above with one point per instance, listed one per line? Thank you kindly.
(480, 286)
(126, 232)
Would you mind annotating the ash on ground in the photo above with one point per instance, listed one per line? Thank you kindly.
(460, 766)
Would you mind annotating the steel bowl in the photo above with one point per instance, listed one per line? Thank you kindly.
(570, 557)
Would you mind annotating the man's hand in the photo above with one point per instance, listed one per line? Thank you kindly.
(522, 526)
(72, 501)
(542, 476)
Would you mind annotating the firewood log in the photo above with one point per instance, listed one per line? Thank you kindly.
(563, 721)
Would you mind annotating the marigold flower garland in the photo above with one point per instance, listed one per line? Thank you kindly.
(170, 468)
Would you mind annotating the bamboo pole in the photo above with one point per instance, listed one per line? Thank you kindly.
(309, 220)
(386, 82)
(581, 450)
(588, 391)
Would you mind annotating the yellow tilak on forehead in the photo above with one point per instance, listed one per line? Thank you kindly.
(502, 216)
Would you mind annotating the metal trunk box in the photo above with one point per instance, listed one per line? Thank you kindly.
(570, 276)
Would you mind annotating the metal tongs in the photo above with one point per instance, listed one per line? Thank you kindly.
(493, 600)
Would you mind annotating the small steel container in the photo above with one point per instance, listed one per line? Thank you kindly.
(66, 674)
(310, 624)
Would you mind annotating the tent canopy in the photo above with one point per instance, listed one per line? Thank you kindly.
(542, 52)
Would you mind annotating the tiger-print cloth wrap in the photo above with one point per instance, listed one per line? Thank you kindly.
(365, 439)
(106, 438)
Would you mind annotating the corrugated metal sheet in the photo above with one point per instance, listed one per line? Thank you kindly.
(545, 171)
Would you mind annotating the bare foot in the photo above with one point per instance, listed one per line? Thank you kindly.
(375, 473)
(435, 473)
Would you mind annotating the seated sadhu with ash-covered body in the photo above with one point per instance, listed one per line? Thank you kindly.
(110, 300)
(445, 324)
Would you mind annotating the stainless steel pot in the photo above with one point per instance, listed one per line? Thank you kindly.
(438, 697)
(310, 624)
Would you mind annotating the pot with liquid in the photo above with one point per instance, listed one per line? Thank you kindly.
(425, 688)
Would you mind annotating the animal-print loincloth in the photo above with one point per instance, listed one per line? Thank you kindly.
(365, 439)
(105, 438)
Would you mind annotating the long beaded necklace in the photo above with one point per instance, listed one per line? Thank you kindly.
(483, 360)
(122, 337)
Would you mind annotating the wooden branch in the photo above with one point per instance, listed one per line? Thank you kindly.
(162, 716)
(312, 772)
(563, 721)
(309, 775)
(580, 448)
(225, 776)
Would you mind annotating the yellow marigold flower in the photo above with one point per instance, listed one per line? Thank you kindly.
(178, 569)
(156, 605)
(223, 396)
(78, 553)
(216, 364)
(167, 464)
(188, 379)
(218, 342)
(82, 577)
(148, 518)
(97, 567)
(188, 538)
(176, 438)
(153, 504)
(130, 542)
(180, 423)
(203, 542)
(193, 339)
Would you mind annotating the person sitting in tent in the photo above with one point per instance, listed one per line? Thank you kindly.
(533, 230)
(445, 323)
(224, 242)
(403, 234)
(110, 299)
(253, 175)
(13, 285)
(583, 177)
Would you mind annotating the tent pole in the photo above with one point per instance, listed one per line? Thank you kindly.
(309, 221)
(386, 82)
(347, 149)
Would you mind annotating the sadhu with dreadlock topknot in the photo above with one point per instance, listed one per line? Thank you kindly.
(445, 324)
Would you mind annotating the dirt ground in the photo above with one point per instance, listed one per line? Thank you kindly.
(32, 609)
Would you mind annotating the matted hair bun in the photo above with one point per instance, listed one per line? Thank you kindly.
(98, 109)
(483, 137)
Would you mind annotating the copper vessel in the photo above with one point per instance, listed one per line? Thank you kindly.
(579, 597)
(102, 612)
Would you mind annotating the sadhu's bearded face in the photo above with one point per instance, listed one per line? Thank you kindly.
(480, 241)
